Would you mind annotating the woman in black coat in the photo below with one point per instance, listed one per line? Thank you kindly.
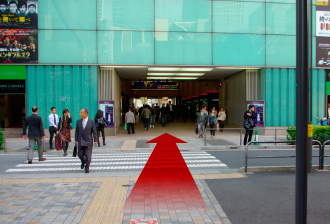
(65, 130)
(100, 123)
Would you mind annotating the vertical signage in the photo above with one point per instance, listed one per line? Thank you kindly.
(18, 31)
(108, 112)
(322, 33)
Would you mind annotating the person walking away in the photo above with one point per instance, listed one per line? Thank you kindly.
(249, 118)
(53, 126)
(171, 111)
(212, 122)
(65, 130)
(146, 113)
(100, 124)
(153, 116)
(221, 118)
(163, 112)
(36, 134)
(201, 122)
(129, 121)
(85, 133)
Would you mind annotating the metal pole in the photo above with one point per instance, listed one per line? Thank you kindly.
(301, 109)
(310, 147)
(204, 136)
(240, 137)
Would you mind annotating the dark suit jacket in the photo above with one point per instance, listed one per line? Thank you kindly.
(205, 118)
(85, 137)
(36, 127)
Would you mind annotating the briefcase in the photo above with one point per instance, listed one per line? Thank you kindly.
(74, 154)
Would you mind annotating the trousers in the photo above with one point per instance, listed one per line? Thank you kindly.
(32, 142)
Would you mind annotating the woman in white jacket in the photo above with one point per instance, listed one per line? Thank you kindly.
(221, 118)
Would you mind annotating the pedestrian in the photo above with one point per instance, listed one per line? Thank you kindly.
(53, 126)
(146, 113)
(329, 114)
(65, 130)
(85, 133)
(164, 113)
(221, 118)
(100, 124)
(249, 118)
(129, 121)
(153, 116)
(170, 112)
(201, 121)
(36, 134)
(212, 122)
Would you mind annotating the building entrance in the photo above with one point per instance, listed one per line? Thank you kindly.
(12, 110)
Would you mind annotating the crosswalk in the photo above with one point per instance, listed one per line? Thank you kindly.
(114, 161)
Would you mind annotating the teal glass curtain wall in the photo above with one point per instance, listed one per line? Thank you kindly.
(70, 87)
(164, 32)
(278, 89)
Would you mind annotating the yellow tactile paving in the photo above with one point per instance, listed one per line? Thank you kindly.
(129, 145)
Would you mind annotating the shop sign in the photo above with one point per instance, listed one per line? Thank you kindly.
(12, 86)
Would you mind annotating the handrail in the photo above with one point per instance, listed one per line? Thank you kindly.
(322, 155)
(260, 142)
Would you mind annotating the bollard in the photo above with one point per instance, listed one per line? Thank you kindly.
(256, 138)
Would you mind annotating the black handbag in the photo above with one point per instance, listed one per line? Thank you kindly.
(74, 154)
(196, 130)
(246, 124)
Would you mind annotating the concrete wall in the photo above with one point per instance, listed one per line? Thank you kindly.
(235, 98)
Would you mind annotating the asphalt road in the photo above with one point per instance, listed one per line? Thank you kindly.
(269, 197)
(235, 159)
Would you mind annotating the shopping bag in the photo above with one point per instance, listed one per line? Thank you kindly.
(58, 143)
(125, 126)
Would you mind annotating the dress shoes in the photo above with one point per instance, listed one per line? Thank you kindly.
(30, 162)
(82, 166)
(86, 171)
(42, 159)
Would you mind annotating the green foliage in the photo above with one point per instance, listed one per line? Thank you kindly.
(2, 140)
(321, 133)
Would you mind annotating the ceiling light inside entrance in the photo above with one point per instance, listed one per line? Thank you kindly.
(162, 74)
(163, 69)
(196, 69)
(171, 78)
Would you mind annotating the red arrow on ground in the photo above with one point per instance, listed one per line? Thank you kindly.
(165, 182)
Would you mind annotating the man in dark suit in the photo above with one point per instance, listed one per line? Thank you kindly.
(36, 134)
(85, 132)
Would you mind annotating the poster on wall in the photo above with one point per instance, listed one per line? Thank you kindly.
(17, 14)
(108, 108)
(259, 109)
(18, 46)
(154, 85)
(322, 28)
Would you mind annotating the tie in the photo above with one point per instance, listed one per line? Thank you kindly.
(54, 119)
(201, 116)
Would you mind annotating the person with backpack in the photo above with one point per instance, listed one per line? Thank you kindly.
(100, 123)
(249, 118)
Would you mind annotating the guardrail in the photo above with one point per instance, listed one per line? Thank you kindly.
(268, 157)
(241, 133)
(322, 154)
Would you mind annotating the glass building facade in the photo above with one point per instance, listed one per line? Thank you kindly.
(75, 37)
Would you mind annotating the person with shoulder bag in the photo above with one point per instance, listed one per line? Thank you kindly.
(249, 118)
(100, 124)
(65, 130)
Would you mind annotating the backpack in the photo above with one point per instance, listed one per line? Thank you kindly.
(143, 115)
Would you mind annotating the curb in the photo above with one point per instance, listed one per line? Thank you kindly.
(238, 147)
(277, 168)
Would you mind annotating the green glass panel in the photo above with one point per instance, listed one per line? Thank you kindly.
(280, 50)
(328, 88)
(125, 15)
(281, 19)
(125, 47)
(183, 48)
(183, 16)
(64, 14)
(239, 49)
(238, 17)
(12, 72)
(67, 46)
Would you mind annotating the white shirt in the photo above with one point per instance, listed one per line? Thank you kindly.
(52, 123)
(328, 112)
(85, 122)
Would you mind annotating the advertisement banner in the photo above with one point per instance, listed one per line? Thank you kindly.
(12, 72)
(154, 85)
(322, 33)
(108, 108)
(19, 14)
(259, 109)
(18, 46)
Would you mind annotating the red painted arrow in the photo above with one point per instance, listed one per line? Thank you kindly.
(165, 182)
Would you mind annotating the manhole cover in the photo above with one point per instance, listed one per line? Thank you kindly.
(145, 220)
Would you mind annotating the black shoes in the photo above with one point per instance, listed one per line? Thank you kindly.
(82, 166)
(86, 171)
(30, 162)
(104, 144)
